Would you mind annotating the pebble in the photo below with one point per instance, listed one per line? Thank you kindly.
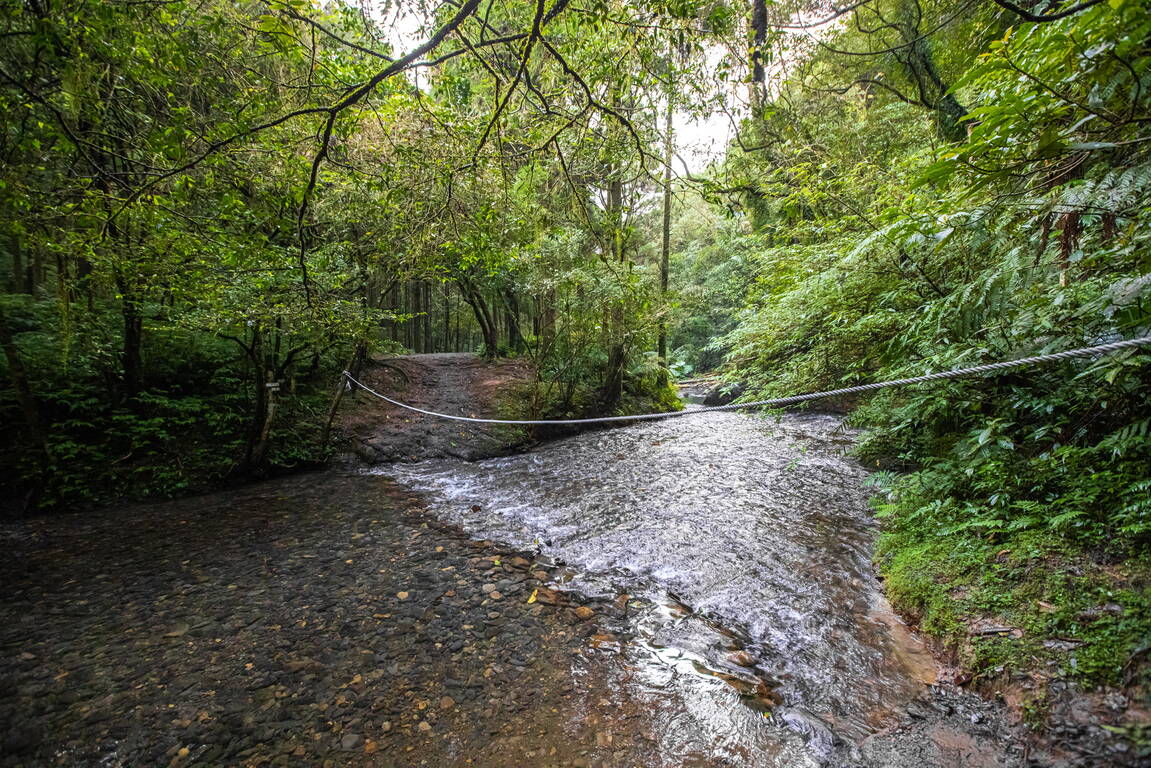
(741, 659)
(286, 663)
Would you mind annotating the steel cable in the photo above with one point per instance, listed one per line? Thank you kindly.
(955, 373)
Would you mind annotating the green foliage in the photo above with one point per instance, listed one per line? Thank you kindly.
(1073, 616)
(148, 309)
(208, 209)
(884, 247)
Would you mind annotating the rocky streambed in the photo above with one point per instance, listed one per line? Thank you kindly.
(318, 620)
(696, 592)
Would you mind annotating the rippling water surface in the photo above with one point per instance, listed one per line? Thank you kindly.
(745, 543)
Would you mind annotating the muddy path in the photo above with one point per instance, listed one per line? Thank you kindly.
(457, 383)
(696, 592)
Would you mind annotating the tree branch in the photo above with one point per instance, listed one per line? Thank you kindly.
(1027, 15)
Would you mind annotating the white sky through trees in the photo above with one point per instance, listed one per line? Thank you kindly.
(699, 141)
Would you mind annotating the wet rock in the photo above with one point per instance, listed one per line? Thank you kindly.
(317, 654)
(1099, 611)
(724, 394)
(548, 596)
(18, 740)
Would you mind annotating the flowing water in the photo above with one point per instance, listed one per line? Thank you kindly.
(758, 633)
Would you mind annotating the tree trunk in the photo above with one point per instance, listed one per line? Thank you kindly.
(447, 335)
(257, 447)
(19, 281)
(131, 355)
(428, 347)
(394, 306)
(342, 386)
(617, 356)
(548, 318)
(458, 341)
(512, 320)
(482, 312)
(665, 247)
(759, 39)
(613, 383)
(406, 305)
(18, 375)
(919, 64)
(264, 439)
(35, 272)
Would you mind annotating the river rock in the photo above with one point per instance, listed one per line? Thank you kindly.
(741, 659)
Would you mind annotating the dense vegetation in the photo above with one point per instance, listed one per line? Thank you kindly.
(936, 187)
(211, 208)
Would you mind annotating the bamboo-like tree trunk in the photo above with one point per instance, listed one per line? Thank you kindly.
(665, 246)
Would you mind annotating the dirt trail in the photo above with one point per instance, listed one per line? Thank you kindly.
(461, 384)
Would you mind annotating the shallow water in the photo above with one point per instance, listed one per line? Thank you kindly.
(759, 631)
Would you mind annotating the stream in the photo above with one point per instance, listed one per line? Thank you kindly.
(756, 631)
(691, 593)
